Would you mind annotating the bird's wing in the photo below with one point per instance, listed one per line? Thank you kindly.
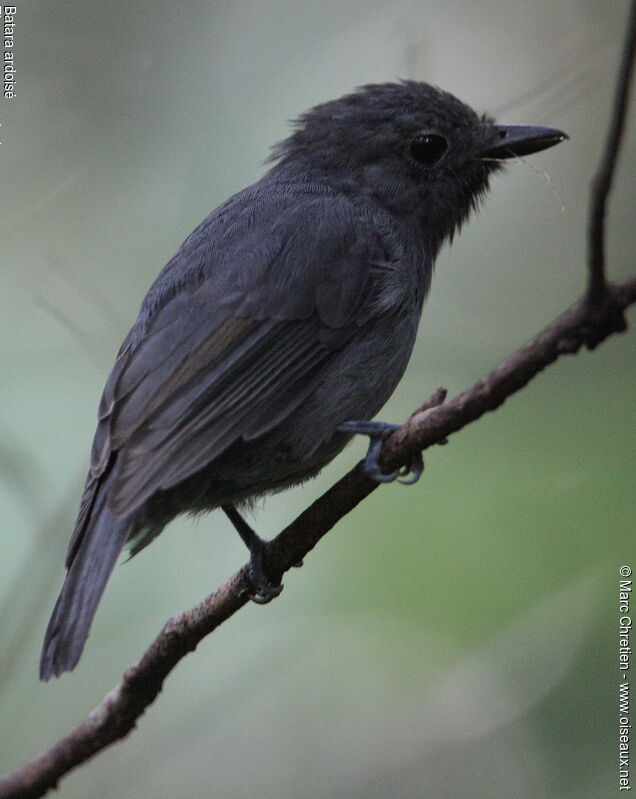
(232, 355)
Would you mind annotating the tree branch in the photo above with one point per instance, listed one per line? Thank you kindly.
(603, 180)
(599, 314)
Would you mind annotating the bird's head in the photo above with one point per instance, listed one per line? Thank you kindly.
(416, 149)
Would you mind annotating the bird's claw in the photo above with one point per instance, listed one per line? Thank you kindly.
(264, 591)
(377, 432)
(414, 468)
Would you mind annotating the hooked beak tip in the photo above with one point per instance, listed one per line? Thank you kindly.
(516, 140)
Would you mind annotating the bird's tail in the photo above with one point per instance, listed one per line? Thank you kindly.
(93, 554)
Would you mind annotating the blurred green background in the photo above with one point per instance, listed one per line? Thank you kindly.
(455, 639)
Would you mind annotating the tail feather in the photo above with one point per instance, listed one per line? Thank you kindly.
(93, 560)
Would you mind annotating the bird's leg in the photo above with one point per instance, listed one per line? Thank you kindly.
(264, 591)
(377, 432)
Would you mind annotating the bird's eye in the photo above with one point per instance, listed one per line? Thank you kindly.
(428, 148)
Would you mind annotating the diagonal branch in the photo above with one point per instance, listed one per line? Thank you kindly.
(599, 314)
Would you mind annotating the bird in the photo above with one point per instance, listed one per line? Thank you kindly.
(279, 329)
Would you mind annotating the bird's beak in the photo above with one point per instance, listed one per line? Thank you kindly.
(512, 140)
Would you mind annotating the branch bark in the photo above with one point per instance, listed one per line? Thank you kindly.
(597, 315)
(602, 182)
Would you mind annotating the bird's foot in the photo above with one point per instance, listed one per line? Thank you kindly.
(377, 432)
(264, 591)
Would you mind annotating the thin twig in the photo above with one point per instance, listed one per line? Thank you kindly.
(602, 182)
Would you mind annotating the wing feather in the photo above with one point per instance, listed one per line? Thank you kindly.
(231, 354)
(170, 447)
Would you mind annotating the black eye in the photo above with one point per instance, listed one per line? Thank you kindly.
(428, 148)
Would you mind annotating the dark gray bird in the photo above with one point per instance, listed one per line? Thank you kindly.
(279, 329)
